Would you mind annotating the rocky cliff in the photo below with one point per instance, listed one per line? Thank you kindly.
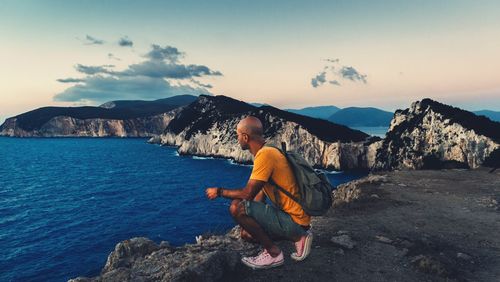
(431, 135)
(112, 119)
(212, 258)
(207, 127)
(65, 126)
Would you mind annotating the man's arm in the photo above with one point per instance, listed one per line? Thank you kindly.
(251, 191)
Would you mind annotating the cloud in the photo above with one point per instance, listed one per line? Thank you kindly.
(205, 85)
(113, 57)
(160, 75)
(319, 79)
(337, 72)
(333, 60)
(168, 70)
(168, 53)
(107, 88)
(90, 40)
(125, 42)
(352, 74)
(93, 69)
(70, 80)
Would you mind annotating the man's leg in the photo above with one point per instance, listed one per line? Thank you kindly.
(279, 225)
(246, 236)
(251, 226)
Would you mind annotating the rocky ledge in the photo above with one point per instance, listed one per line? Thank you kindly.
(397, 226)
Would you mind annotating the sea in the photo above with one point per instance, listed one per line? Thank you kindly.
(66, 202)
(378, 131)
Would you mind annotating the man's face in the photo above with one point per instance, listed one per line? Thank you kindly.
(243, 138)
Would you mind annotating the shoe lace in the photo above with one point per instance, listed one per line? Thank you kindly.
(263, 255)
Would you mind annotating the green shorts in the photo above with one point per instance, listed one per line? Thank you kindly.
(275, 222)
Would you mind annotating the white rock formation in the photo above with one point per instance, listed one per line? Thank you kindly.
(64, 126)
(432, 131)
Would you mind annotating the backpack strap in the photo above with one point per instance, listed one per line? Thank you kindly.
(276, 186)
(271, 181)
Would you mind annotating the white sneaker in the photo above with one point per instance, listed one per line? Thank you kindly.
(303, 247)
(263, 260)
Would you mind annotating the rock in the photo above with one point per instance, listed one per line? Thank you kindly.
(383, 239)
(67, 126)
(344, 241)
(342, 232)
(464, 256)
(431, 265)
(405, 243)
(339, 252)
(357, 190)
(402, 185)
(126, 252)
(164, 244)
(206, 128)
(140, 259)
(489, 202)
(431, 135)
(417, 258)
(81, 279)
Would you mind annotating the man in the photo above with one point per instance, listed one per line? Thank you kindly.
(260, 222)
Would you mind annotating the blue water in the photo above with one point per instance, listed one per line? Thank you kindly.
(379, 131)
(66, 202)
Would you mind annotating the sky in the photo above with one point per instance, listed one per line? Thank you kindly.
(290, 54)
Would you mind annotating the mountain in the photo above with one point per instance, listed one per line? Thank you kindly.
(207, 127)
(258, 104)
(355, 116)
(431, 135)
(494, 116)
(150, 106)
(323, 112)
(116, 118)
(362, 117)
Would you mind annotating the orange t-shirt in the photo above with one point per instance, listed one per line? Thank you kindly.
(270, 162)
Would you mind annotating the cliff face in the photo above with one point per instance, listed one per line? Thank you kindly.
(207, 127)
(65, 126)
(125, 118)
(432, 135)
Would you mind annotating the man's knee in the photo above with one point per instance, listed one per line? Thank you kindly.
(237, 208)
(233, 208)
(240, 209)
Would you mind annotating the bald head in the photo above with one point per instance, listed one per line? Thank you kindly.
(251, 126)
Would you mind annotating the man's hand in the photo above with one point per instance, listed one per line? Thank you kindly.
(211, 193)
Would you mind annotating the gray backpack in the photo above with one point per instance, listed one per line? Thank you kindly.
(314, 187)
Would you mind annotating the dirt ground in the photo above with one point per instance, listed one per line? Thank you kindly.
(441, 225)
